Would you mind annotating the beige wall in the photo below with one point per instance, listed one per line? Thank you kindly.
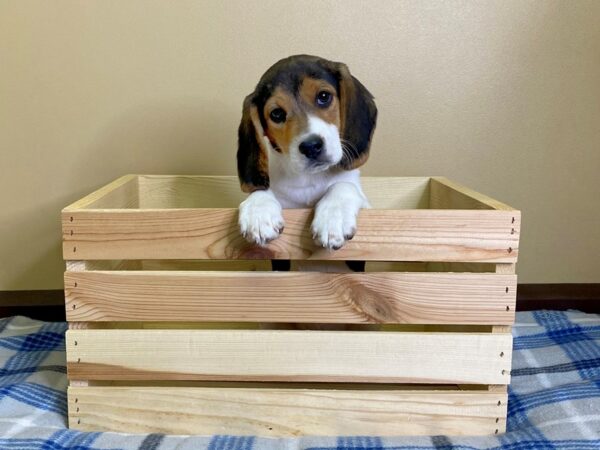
(503, 96)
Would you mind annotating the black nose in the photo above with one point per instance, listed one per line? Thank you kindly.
(312, 147)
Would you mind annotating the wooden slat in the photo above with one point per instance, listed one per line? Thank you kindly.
(295, 385)
(285, 412)
(447, 194)
(181, 191)
(505, 268)
(76, 265)
(165, 191)
(411, 298)
(392, 235)
(121, 193)
(285, 355)
(171, 325)
(397, 192)
(501, 329)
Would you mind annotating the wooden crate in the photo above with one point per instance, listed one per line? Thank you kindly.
(164, 299)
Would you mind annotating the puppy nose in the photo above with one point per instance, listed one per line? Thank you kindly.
(312, 147)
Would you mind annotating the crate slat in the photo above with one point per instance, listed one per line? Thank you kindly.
(289, 355)
(385, 235)
(121, 193)
(285, 412)
(189, 191)
(410, 298)
(447, 194)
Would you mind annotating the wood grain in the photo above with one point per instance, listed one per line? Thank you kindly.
(179, 217)
(167, 191)
(121, 193)
(286, 355)
(408, 298)
(447, 194)
(285, 412)
(389, 235)
(505, 268)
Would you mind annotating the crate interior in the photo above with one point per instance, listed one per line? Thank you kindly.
(165, 192)
(264, 265)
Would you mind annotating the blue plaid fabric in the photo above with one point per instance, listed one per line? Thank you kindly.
(554, 398)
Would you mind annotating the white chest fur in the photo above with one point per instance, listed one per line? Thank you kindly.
(336, 196)
(304, 190)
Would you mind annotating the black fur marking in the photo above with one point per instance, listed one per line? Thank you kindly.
(250, 153)
(356, 266)
(281, 265)
(360, 120)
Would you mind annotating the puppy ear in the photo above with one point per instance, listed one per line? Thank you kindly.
(358, 116)
(252, 156)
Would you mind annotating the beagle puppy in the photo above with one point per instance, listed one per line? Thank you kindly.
(305, 130)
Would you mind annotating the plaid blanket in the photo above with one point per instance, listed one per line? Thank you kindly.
(554, 399)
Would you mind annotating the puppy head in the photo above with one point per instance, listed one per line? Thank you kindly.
(312, 112)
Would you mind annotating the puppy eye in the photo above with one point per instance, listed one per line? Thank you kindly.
(278, 115)
(324, 99)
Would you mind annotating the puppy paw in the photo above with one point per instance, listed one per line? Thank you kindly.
(333, 225)
(260, 218)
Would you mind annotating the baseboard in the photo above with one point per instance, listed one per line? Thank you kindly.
(49, 304)
(50, 297)
(559, 296)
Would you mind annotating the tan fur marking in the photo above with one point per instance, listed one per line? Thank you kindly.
(357, 162)
(248, 188)
(309, 89)
(282, 134)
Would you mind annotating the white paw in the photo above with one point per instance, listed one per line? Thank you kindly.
(333, 225)
(260, 218)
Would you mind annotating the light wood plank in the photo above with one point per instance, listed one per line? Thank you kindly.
(501, 328)
(285, 355)
(297, 385)
(121, 193)
(172, 325)
(76, 266)
(284, 412)
(505, 268)
(309, 297)
(167, 191)
(447, 194)
(183, 191)
(397, 192)
(392, 235)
